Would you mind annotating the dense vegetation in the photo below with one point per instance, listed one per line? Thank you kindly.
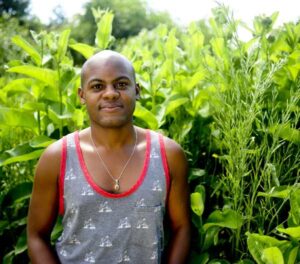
(232, 105)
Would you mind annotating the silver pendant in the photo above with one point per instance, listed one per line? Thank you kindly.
(117, 185)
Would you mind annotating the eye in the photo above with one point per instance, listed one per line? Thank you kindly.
(121, 85)
(97, 86)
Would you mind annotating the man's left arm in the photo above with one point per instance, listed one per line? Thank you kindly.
(178, 204)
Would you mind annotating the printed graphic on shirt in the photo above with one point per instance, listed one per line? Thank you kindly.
(87, 191)
(104, 208)
(141, 224)
(70, 175)
(63, 252)
(124, 257)
(89, 257)
(154, 255)
(156, 186)
(74, 240)
(73, 209)
(124, 223)
(105, 242)
(89, 224)
(154, 154)
(140, 203)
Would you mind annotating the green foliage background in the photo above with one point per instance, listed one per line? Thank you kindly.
(232, 105)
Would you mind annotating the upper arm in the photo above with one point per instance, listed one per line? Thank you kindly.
(178, 199)
(44, 200)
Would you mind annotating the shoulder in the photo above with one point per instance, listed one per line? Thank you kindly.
(175, 155)
(49, 162)
(173, 149)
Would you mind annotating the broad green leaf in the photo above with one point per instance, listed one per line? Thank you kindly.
(195, 173)
(41, 142)
(291, 231)
(78, 117)
(63, 44)
(8, 258)
(20, 153)
(291, 256)
(17, 85)
(145, 115)
(195, 79)
(21, 245)
(104, 29)
(34, 106)
(198, 200)
(17, 194)
(46, 76)
(11, 117)
(294, 216)
(277, 192)
(226, 218)
(57, 118)
(171, 45)
(28, 48)
(173, 104)
(286, 132)
(272, 255)
(257, 243)
(86, 50)
(211, 237)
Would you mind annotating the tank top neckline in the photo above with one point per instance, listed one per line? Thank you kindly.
(96, 187)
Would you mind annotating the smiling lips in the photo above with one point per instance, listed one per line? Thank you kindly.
(110, 107)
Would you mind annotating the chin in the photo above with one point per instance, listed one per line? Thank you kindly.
(113, 123)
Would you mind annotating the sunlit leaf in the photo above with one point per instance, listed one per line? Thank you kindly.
(198, 200)
(63, 44)
(11, 117)
(28, 48)
(291, 231)
(272, 255)
(84, 49)
(226, 218)
(145, 115)
(104, 29)
(44, 75)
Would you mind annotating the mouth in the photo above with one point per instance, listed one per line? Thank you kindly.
(110, 107)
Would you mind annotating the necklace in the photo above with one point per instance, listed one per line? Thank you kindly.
(116, 180)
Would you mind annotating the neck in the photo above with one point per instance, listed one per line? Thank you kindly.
(113, 138)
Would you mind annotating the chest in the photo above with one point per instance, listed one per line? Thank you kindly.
(116, 172)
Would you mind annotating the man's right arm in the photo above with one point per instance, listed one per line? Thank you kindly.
(43, 206)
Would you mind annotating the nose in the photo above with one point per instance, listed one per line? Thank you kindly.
(110, 93)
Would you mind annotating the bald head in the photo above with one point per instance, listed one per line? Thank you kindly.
(106, 58)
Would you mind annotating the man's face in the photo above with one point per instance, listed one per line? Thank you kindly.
(109, 92)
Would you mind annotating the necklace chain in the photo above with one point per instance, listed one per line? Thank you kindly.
(116, 180)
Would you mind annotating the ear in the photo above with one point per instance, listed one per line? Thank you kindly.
(81, 95)
(137, 91)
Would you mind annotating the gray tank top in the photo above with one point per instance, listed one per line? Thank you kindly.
(101, 227)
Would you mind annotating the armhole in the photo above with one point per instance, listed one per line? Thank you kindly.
(62, 175)
(164, 161)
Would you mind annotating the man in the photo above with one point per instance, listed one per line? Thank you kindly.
(111, 182)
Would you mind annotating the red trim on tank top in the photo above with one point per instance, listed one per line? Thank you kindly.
(165, 162)
(61, 179)
(99, 189)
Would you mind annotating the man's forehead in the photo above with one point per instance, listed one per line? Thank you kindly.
(108, 61)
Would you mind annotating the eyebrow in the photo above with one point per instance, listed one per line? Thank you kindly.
(115, 80)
